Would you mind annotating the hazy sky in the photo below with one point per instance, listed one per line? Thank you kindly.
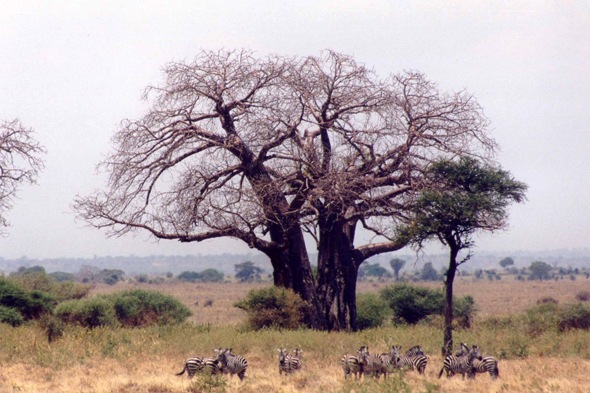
(72, 70)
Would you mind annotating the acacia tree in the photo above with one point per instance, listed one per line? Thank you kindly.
(266, 150)
(464, 197)
(20, 163)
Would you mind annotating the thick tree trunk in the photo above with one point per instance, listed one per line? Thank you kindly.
(449, 280)
(292, 269)
(337, 274)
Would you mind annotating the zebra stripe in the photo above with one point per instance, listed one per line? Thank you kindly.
(192, 366)
(460, 364)
(351, 365)
(414, 359)
(371, 362)
(234, 364)
(390, 360)
(487, 364)
(212, 366)
(283, 361)
(295, 360)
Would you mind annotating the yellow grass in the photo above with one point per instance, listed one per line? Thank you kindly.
(145, 360)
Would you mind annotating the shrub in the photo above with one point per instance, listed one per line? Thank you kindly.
(30, 304)
(541, 318)
(272, 307)
(189, 276)
(371, 311)
(93, 312)
(208, 303)
(411, 304)
(547, 299)
(143, 308)
(11, 316)
(574, 316)
(53, 326)
(61, 291)
(211, 275)
(583, 296)
(143, 278)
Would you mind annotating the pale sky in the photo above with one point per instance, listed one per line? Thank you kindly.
(72, 70)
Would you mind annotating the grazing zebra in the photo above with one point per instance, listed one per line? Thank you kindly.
(192, 366)
(487, 364)
(234, 364)
(371, 362)
(352, 365)
(460, 364)
(414, 359)
(196, 365)
(391, 359)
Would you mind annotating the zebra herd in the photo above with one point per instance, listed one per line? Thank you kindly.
(375, 365)
(465, 362)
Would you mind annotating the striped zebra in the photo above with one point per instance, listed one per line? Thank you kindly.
(371, 362)
(351, 365)
(230, 363)
(283, 361)
(295, 362)
(413, 359)
(460, 364)
(487, 364)
(197, 364)
(390, 360)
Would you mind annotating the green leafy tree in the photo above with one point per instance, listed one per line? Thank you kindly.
(247, 271)
(464, 197)
(374, 270)
(397, 264)
(429, 273)
(508, 261)
(539, 270)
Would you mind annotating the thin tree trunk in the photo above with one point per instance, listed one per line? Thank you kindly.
(449, 280)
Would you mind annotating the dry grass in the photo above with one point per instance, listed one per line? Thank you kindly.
(145, 360)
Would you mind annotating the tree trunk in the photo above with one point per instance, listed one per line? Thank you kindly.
(337, 274)
(449, 280)
(292, 269)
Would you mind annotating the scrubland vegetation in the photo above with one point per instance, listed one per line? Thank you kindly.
(537, 329)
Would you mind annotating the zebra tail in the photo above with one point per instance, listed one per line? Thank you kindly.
(441, 372)
(183, 370)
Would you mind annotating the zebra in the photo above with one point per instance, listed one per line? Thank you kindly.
(352, 365)
(283, 361)
(295, 360)
(390, 359)
(460, 364)
(197, 364)
(487, 363)
(414, 359)
(372, 363)
(234, 364)
(192, 366)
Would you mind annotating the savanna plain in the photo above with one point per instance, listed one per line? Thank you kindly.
(146, 359)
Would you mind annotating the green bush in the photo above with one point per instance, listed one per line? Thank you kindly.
(128, 308)
(189, 276)
(62, 276)
(541, 318)
(93, 312)
(61, 291)
(211, 275)
(30, 304)
(574, 316)
(143, 308)
(371, 311)
(411, 304)
(11, 316)
(273, 307)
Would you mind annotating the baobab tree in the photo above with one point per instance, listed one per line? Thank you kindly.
(20, 163)
(265, 150)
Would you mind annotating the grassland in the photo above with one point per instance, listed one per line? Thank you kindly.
(145, 360)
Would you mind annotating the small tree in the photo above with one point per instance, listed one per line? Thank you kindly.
(508, 261)
(539, 270)
(397, 264)
(247, 271)
(374, 270)
(465, 197)
(429, 273)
